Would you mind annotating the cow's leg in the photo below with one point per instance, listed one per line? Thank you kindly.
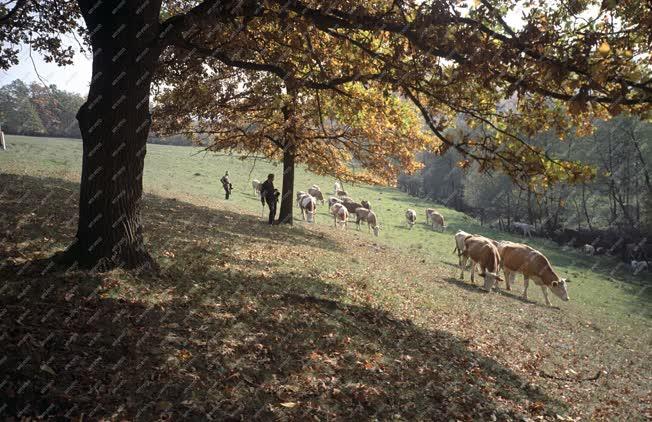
(544, 289)
(526, 283)
(462, 265)
(472, 271)
(507, 274)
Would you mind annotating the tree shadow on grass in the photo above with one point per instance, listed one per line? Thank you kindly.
(203, 340)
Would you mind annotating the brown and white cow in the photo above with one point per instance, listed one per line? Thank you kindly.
(340, 215)
(410, 218)
(308, 205)
(484, 253)
(365, 214)
(435, 218)
(314, 191)
(519, 258)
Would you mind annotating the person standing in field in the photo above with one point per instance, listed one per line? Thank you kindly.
(270, 195)
(226, 184)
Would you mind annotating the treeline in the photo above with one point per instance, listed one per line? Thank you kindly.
(36, 110)
(618, 197)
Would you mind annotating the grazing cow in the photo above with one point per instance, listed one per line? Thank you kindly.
(483, 252)
(518, 258)
(346, 199)
(525, 228)
(459, 244)
(435, 218)
(410, 218)
(341, 193)
(332, 200)
(352, 206)
(255, 184)
(366, 204)
(638, 266)
(588, 249)
(340, 215)
(308, 205)
(365, 214)
(336, 187)
(314, 191)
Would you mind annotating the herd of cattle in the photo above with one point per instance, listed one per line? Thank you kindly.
(490, 255)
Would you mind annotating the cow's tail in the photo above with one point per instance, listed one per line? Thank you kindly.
(456, 249)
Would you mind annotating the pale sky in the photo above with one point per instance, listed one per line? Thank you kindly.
(76, 78)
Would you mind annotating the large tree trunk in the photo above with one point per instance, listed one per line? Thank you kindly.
(289, 154)
(114, 123)
(287, 196)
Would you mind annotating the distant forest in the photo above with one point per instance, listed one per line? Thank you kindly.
(618, 198)
(36, 110)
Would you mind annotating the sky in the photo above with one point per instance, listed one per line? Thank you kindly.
(76, 77)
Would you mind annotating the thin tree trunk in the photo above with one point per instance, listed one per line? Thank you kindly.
(114, 123)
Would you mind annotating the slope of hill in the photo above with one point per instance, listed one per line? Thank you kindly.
(247, 320)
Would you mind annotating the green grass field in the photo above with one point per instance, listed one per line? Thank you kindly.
(375, 327)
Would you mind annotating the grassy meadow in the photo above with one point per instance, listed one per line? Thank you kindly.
(247, 321)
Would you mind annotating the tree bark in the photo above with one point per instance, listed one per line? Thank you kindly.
(289, 154)
(114, 123)
(287, 195)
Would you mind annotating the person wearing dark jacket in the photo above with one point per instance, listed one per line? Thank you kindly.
(270, 195)
(226, 184)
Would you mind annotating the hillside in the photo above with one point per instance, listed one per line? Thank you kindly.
(250, 321)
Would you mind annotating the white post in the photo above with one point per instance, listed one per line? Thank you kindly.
(2, 140)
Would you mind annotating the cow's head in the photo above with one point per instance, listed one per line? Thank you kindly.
(490, 280)
(376, 230)
(560, 289)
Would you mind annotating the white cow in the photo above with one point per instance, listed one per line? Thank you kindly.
(336, 187)
(588, 249)
(638, 266)
(255, 184)
(410, 217)
(525, 228)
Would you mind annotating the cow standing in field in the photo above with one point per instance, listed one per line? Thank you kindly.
(340, 215)
(299, 195)
(255, 184)
(316, 193)
(341, 193)
(365, 214)
(410, 218)
(435, 218)
(332, 201)
(336, 187)
(524, 228)
(484, 253)
(460, 236)
(351, 206)
(308, 205)
(519, 258)
(588, 249)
